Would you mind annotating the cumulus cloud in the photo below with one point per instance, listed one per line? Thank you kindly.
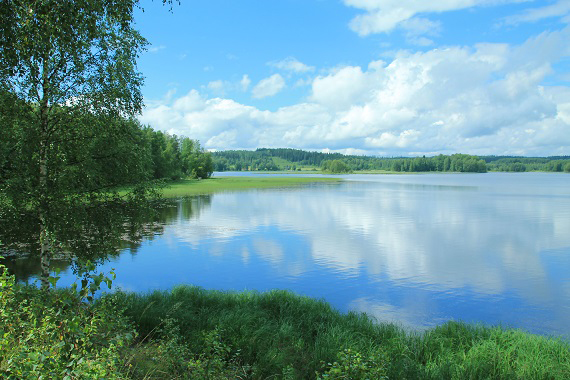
(485, 99)
(343, 88)
(385, 15)
(268, 87)
(293, 65)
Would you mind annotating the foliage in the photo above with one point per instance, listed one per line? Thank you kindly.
(286, 159)
(352, 365)
(522, 164)
(173, 158)
(77, 52)
(335, 167)
(193, 333)
(283, 335)
(69, 68)
(171, 357)
(60, 334)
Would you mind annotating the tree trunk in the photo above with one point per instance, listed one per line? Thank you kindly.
(45, 253)
(45, 246)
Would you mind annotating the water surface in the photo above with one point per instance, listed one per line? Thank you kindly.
(415, 249)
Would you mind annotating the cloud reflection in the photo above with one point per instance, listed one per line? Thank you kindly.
(488, 239)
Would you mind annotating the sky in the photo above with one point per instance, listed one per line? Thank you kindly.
(374, 77)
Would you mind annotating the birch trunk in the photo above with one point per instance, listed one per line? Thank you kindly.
(45, 246)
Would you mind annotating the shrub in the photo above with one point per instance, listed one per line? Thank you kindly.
(56, 334)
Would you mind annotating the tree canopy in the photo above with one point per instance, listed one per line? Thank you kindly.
(69, 93)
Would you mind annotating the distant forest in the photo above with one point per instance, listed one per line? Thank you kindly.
(286, 159)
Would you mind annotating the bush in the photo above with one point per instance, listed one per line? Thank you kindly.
(56, 334)
(352, 365)
(335, 167)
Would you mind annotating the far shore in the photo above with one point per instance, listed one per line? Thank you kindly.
(225, 181)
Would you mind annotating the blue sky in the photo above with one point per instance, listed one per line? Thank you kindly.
(380, 77)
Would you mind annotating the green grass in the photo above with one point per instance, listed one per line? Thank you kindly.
(220, 184)
(281, 335)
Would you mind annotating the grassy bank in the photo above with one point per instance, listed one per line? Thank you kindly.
(282, 335)
(220, 184)
(192, 333)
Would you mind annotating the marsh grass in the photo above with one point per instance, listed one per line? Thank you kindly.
(281, 335)
(220, 184)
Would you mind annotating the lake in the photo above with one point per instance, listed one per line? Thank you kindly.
(418, 250)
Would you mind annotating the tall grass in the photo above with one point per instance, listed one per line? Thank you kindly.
(281, 335)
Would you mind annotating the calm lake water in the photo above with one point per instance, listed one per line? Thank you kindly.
(414, 249)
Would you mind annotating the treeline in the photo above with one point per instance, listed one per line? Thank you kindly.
(173, 157)
(463, 163)
(292, 159)
(265, 159)
(270, 159)
(238, 160)
(89, 152)
(527, 164)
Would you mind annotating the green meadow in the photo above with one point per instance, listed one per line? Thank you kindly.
(220, 184)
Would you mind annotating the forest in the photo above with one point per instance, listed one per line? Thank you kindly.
(527, 164)
(93, 155)
(264, 159)
(89, 155)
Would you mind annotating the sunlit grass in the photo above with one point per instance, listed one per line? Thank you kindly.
(220, 184)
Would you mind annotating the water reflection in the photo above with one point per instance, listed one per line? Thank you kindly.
(425, 251)
(419, 250)
(441, 238)
(96, 232)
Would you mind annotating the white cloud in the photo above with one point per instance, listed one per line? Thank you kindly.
(193, 101)
(385, 15)
(415, 28)
(221, 87)
(559, 9)
(245, 82)
(217, 87)
(302, 82)
(156, 49)
(292, 64)
(481, 100)
(268, 87)
(389, 139)
(341, 89)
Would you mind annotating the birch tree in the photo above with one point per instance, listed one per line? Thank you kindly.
(60, 59)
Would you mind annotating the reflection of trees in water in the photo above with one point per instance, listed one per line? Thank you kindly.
(95, 232)
(183, 208)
